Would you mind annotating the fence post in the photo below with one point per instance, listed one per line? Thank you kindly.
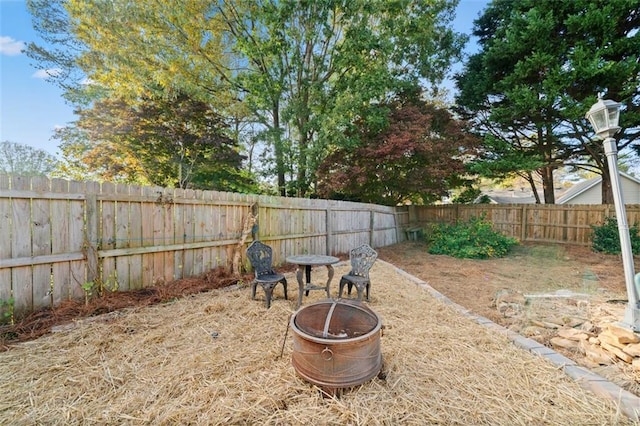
(328, 240)
(523, 231)
(371, 225)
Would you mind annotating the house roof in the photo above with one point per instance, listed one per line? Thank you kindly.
(496, 199)
(578, 189)
(509, 196)
(584, 186)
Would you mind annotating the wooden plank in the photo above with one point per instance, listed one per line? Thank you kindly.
(189, 230)
(122, 238)
(28, 194)
(158, 249)
(178, 233)
(147, 209)
(231, 225)
(41, 243)
(218, 254)
(330, 225)
(5, 245)
(92, 239)
(371, 228)
(168, 232)
(21, 277)
(185, 200)
(220, 216)
(60, 234)
(221, 253)
(200, 217)
(135, 239)
(78, 241)
(158, 238)
(208, 254)
(107, 269)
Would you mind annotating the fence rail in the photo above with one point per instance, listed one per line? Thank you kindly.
(59, 237)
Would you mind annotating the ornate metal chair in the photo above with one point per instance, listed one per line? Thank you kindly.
(260, 256)
(362, 259)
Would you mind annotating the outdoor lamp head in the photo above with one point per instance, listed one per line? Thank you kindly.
(604, 116)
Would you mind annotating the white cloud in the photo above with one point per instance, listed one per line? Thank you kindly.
(47, 73)
(10, 47)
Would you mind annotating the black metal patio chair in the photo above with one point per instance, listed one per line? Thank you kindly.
(260, 256)
(362, 259)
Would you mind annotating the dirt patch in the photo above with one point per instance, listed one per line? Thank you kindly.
(541, 286)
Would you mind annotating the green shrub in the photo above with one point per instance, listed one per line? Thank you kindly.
(474, 239)
(605, 238)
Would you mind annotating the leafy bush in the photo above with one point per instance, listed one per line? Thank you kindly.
(605, 238)
(474, 239)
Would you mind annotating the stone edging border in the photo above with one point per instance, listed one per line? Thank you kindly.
(628, 403)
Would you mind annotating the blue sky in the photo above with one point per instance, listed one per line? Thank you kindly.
(31, 108)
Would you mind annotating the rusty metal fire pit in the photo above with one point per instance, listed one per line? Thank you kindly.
(336, 344)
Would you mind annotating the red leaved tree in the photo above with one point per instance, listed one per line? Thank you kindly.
(417, 158)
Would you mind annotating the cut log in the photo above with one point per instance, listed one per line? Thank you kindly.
(623, 334)
(572, 334)
(617, 352)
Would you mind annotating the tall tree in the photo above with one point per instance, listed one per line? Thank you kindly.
(25, 160)
(177, 142)
(314, 68)
(540, 65)
(305, 69)
(418, 157)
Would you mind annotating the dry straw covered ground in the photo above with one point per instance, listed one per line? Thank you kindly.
(219, 358)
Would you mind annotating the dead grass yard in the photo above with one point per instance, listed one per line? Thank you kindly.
(218, 358)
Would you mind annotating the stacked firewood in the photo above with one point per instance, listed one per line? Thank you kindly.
(613, 343)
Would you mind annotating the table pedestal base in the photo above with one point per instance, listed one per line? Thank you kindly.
(304, 286)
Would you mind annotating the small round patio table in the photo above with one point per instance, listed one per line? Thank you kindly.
(304, 263)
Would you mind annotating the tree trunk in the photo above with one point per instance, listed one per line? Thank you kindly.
(547, 171)
(532, 184)
(277, 149)
(607, 191)
(547, 185)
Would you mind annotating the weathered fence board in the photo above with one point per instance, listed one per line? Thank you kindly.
(21, 276)
(41, 242)
(6, 241)
(60, 218)
(78, 243)
(135, 239)
(146, 225)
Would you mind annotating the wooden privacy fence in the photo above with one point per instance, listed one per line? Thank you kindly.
(548, 223)
(60, 239)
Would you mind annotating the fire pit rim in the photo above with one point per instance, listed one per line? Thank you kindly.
(328, 341)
